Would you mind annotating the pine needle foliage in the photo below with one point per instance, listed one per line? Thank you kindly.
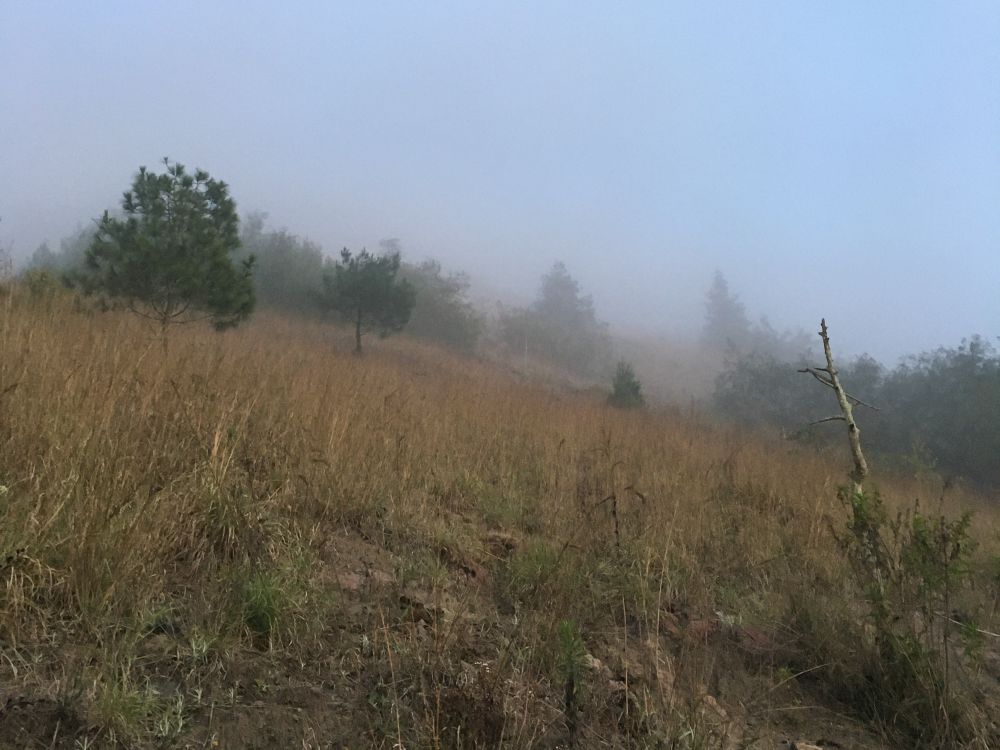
(363, 288)
(626, 390)
(169, 256)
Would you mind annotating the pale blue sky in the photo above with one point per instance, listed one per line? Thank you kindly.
(833, 158)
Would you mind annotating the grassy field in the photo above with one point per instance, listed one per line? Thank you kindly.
(257, 539)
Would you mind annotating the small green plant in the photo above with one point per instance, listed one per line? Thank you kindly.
(529, 569)
(626, 390)
(123, 707)
(911, 567)
(572, 653)
(263, 601)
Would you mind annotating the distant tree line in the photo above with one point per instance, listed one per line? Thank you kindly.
(937, 411)
(729, 334)
(175, 248)
(177, 251)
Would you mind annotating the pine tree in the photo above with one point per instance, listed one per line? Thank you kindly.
(726, 324)
(626, 389)
(363, 288)
(169, 257)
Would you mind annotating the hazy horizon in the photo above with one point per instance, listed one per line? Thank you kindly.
(832, 160)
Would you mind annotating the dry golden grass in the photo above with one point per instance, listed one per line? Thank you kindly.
(211, 500)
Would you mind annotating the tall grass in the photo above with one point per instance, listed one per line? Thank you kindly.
(209, 485)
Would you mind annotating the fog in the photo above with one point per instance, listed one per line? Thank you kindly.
(833, 159)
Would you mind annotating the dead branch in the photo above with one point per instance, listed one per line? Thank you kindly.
(830, 379)
(836, 418)
(815, 372)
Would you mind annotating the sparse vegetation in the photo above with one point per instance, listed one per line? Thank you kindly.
(938, 412)
(230, 545)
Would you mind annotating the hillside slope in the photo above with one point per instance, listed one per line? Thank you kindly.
(254, 539)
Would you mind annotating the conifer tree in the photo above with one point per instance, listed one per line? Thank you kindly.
(626, 389)
(726, 324)
(169, 256)
(363, 288)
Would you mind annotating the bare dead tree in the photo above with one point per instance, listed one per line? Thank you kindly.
(828, 376)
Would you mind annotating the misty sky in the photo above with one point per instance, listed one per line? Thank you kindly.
(833, 158)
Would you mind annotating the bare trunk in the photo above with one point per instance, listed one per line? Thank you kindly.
(828, 376)
(357, 334)
(853, 433)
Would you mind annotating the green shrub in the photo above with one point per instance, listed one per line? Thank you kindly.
(626, 390)
(263, 601)
(911, 568)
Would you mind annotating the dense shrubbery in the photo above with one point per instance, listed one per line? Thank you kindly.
(287, 271)
(939, 410)
(443, 312)
(69, 260)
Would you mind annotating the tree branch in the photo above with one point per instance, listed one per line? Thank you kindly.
(837, 418)
(814, 371)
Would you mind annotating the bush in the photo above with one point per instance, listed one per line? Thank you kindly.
(912, 568)
(626, 390)
(287, 271)
(443, 312)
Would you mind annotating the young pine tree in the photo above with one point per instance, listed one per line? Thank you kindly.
(363, 288)
(626, 390)
(169, 256)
